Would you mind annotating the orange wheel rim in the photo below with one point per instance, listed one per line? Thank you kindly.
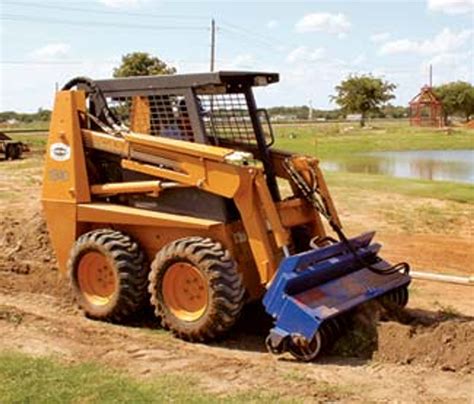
(97, 278)
(185, 291)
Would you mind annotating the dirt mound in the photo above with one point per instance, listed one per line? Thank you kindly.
(447, 345)
(25, 245)
(470, 124)
(441, 340)
(27, 261)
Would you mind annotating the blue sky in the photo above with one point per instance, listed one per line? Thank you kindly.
(314, 45)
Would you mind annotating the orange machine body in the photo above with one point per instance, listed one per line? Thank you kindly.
(74, 203)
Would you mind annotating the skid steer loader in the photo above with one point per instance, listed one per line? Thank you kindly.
(167, 189)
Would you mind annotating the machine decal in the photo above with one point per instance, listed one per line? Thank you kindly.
(60, 152)
(58, 175)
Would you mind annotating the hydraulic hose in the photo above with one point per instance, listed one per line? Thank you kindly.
(309, 193)
(108, 116)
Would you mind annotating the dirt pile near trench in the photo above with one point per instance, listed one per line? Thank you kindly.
(447, 345)
(24, 244)
(440, 340)
(27, 261)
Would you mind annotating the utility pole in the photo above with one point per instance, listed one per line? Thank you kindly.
(310, 112)
(431, 76)
(213, 44)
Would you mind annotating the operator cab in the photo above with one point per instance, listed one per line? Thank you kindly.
(211, 108)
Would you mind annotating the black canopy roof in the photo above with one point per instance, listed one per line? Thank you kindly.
(194, 80)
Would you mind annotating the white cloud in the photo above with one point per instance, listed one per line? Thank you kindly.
(272, 24)
(303, 53)
(360, 60)
(380, 37)
(400, 46)
(240, 61)
(450, 67)
(50, 51)
(452, 6)
(337, 24)
(451, 59)
(445, 41)
(121, 3)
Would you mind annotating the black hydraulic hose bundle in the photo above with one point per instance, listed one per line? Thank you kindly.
(311, 194)
(93, 90)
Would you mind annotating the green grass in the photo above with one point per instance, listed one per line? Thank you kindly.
(28, 125)
(413, 187)
(336, 140)
(34, 140)
(344, 141)
(24, 379)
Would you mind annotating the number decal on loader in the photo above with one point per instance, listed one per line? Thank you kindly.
(58, 175)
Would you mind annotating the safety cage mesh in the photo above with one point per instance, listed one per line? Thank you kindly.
(226, 117)
(163, 115)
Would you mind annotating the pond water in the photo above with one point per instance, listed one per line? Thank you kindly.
(436, 165)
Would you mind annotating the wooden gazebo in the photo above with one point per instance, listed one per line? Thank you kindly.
(426, 109)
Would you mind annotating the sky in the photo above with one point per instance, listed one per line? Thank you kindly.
(312, 44)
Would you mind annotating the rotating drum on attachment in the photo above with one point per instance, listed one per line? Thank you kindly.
(311, 292)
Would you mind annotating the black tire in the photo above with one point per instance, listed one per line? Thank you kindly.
(225, 292)
(128, 273)
(8, 151)
(15, 153)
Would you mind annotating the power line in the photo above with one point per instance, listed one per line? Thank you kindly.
(43, 62)
(94, 62)
(55, 6)
(247, 37)
(16, 17)
(269, 41)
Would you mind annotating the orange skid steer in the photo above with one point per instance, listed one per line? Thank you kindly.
(167, 189)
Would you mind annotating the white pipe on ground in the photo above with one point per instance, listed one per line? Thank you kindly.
(429, 276)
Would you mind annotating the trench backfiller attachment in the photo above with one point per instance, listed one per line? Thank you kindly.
(164, 189)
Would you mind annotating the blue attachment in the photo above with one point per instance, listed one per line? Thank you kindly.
(319, 284)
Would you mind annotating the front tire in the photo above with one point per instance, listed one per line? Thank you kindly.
(195, 288)
(108, 273)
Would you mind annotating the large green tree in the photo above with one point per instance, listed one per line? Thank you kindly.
(457, 98)
(142, 64)
(363, 94)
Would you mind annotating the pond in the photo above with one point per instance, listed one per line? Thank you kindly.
(436, 165)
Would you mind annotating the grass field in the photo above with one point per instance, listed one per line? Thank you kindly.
(343, 140)
(330, 140)
(26, 379)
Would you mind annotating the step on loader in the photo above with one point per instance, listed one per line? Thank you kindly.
(166, 189)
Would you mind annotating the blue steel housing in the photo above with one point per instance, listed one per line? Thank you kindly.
(314, 286)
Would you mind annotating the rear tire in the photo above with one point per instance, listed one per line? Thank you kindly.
(108, 273)
(195, 289)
